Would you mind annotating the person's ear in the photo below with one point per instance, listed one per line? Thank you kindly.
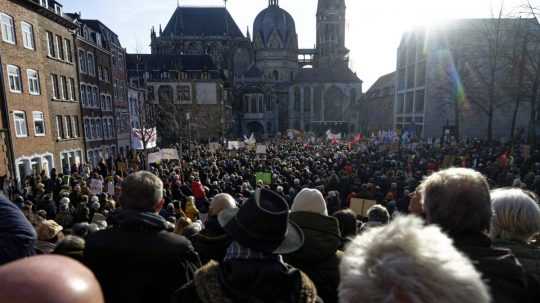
(159, 205)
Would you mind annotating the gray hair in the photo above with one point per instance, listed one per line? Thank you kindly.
(458, 200)
(406, 259)
(516, 214)
(221, 202)
(141, 191)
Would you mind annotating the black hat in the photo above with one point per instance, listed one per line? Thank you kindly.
(262, 224)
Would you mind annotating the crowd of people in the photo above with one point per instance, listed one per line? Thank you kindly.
(452, 223)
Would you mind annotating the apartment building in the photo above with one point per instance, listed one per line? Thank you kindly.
(40, 82)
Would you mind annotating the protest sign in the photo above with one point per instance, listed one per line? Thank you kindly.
(169, 154)
(214, 147)
(265, 177)
(154, 157)
(361, 206)
(261, 149)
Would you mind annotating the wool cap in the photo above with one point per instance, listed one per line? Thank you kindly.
(310, 200)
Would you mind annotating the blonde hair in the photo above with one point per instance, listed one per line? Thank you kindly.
(408, 259)
(516, 214)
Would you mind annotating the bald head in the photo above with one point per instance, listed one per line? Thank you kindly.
(48, 279)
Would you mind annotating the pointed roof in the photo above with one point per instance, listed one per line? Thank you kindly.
(202, 21)
(327, 74)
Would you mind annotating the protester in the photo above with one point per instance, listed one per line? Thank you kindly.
(516, 220)
(458, 200)
(212, 242)
(49, 233)
(138, 260)
(48, 279)
(71, 246)
(253, 270)
(17, 236)
(348, 226)
(408, 262)
(319, 256)
(377, 215)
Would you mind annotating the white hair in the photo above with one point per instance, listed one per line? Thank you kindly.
(406, 259)
(516, 215)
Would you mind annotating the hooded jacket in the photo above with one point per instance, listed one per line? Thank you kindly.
(138, 260)
(248, 281)
(212, 242)
(320, 256)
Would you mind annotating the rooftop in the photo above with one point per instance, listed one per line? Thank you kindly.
(202, 21)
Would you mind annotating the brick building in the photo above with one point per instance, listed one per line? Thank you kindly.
(94, 56)
(40, 83)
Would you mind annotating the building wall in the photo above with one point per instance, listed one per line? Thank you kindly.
(31, 151)
(377, 109)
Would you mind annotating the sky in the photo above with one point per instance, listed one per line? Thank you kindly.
(374, 27)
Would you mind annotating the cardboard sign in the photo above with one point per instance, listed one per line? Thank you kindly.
(261, 149)
(361, 206)
(234, 145)
(154, 157)
(169, 154)
(214, 147)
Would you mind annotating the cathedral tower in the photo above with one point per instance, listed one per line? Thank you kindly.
(331, 33)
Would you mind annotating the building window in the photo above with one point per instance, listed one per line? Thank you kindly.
(419, 102)
(82, 61)
(109, 103)
(99, 128)
(72, 90)
(75, 123)
(60, 47)
(55, 86)
(27, 35)
(63, 88)
(51, 51)
(100, 72)
(69, 53)
(21, 130)
(69, 126)
(44, 3)
(87, 132)
(33, 82)
(95, 99)
(58, 9)
(83, 94)
(14, 76)
(39, 124)
(89, 99)
(8, 29)
(60, 131)
(91, 64)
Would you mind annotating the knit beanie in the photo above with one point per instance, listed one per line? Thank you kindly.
(309, 200)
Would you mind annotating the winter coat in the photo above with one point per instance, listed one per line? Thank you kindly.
(319, 257)
(528, 255)
(248, 281)
(17, 236)
(504, 274)
(138, 260)
(212, 242)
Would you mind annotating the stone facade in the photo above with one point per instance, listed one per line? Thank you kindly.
(377, 106)
(441, 80)
(37, 46)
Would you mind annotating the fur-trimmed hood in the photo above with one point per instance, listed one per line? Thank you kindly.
(249, 281)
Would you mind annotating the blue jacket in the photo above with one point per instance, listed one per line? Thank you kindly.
(17, 235)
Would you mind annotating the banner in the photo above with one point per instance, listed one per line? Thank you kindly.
(169, 154)
(148, 134)
(214, 147)
(154, 157)
(261, 149)
(235, 145)
(265, 177)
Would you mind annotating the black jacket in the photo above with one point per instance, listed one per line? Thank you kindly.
(212, 242)
(319, 257)
(138, 260)
(248, 281)
(503, 273)
(17, 236)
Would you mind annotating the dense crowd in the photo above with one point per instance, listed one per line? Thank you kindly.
(206, 228)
